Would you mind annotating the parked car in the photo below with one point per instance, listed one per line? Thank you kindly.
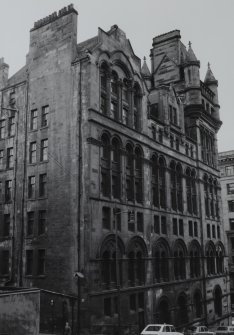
(225, 330)
(160, 329)
(198, 330)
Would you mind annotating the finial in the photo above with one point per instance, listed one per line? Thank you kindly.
(144, 58)
(189, 44)
(208, 65)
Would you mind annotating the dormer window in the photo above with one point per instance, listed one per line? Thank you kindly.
(173, 115)
(154, 111)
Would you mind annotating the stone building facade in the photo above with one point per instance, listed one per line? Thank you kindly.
(100, 156)
(226, 166)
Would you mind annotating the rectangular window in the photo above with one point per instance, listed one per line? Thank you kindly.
(160, 135)
(2, 129)
(31, 187)
(131, 221)
(29, 262)
(208, 230)
(229, 170)
(42, 184)
(10, 160)
(232, 243)
(106, 218)
(140, 222)
(181, 227)
(175, 227)
(117, 218)
(41, 262)
(213, 231)
(11, 126)
(44, 116)
(1, 159)
(231, 205)
(190, 224)
(195, 229)
(44, 150)
(230, 188)
(6, 225)
(32, 152)
(30, 223)
(41, 222)
(8, 190)
(171, 141)
(107, 306)
(163, 225)
(231, 222)
(5, 262)
(156, 224)
(132, 302)
(154, 112)
(105, 185)
(218, 231)
(34, 118)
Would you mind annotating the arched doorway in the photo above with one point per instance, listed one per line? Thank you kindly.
(197, 300)
(218, 301)
(163, 312)
(182, 312)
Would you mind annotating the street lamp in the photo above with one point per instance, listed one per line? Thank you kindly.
(52, 315)
(116, 212)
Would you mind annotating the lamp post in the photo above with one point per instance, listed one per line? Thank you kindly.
(52, 315)
(116, 212)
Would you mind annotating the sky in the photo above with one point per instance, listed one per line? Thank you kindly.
(208, 24)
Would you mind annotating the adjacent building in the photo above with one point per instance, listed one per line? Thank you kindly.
(109, 184)
(226, 165)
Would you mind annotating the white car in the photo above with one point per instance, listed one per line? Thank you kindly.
(198, 330)
(160, 329)
(225, 330)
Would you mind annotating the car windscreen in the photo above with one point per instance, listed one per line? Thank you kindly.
(153, 328)
(222, 328)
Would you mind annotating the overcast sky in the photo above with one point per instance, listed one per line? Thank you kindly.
(208, 24)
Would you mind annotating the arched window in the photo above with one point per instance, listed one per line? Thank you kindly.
(116, 169)
(206, 195)
(210, 259)
(219, 259)
(126, 113)
(176, 187)
(218, 300)
(108, 263)
(114, 112)
(104, 84)
(155, 182)
(158, 182)
(136, 255)
(182, 314)
(161, 262)
(129, 173)
(194, 259)
(164, 312)
(191, 191)
(197, 300)
(105, 165)
(138, 175)
(162, 182)
(179, 261)
(216, 198)
(211, 196)
(136, 106)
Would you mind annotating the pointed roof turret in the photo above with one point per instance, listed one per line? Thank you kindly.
(209, 78)
(145, 70)
(191, 57)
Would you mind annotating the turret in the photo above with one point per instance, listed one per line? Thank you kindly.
(4, 69)
(146, 74)
(192, 76)
(212, 83)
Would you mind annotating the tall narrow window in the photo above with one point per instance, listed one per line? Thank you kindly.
(6, 225)
(42, 184)
(31, 187)
(32, 152)
(41, 262)
(138, 175)
(116, 168)
(29, 262)
(176, 187)
(41, 222)
(11, 126)
(114, 113)
(5, 262)
(30, 223)
(34, 116)
(129, 173)
(136, 106)
(106, 218)
(44, 150)
(104, 89)
(140, 222)
(155, 181)
(2, 129)
(8, 190)
(105, 165)
(10, 158)
(125, 103)
(44, 116)
(1, 159)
